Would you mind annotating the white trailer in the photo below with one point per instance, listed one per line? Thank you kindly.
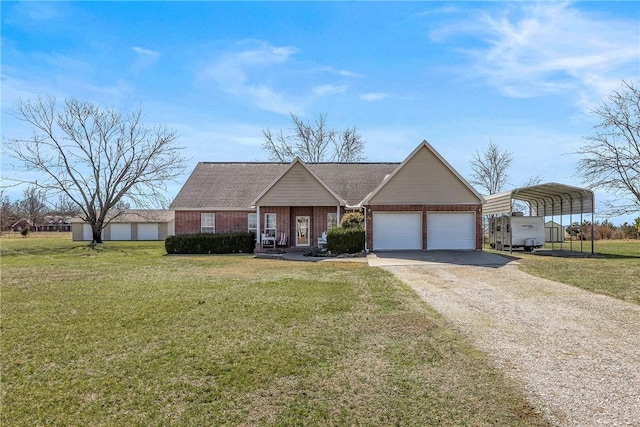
(516, 231)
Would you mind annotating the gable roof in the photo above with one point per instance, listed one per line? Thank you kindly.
(423, 145)
(292, 165)
(134, 216)
(237, 185)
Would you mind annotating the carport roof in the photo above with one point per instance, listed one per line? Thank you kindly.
(545, 200)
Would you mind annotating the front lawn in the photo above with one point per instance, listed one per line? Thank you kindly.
(613, 271)
(124, 335)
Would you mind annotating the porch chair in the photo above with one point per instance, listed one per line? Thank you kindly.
(283, 240)
(322, 240)
(268, 240)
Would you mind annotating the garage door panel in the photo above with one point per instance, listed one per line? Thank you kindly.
(147, 231)
(398, 230)
(451, 230)
(120, 232)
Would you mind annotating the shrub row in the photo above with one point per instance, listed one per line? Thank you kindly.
(210, 243)
(345, 240)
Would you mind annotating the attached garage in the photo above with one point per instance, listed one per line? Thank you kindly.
(397, 230)
(451, 230)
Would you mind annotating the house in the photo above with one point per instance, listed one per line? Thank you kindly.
(55, 223)
(141, 224)
(554, 232)
(21, 224)
(419, 204)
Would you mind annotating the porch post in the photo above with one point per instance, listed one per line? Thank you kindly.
(258, 235)
(338, 211)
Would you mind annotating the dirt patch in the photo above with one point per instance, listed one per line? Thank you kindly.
(575, 353)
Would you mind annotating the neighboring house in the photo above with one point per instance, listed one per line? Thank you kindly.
(141, 224)
(20, 224)
(554, 232)
(421, 203)
(55, 223)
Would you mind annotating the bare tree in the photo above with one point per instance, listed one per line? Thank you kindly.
(489, 168)
(33, 205)
(95, 157)
(314, 142)
(611, 157)
(8, 211)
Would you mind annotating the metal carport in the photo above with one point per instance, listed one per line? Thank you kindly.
(550, 199)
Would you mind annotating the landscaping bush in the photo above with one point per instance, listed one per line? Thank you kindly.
(25, 231)
(352, 220)
(210, 243)
(345, 240)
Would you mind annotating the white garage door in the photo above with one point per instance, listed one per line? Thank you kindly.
(147, 231)
(87, 234)
(451, 230)
(120, 231)
(398, 230)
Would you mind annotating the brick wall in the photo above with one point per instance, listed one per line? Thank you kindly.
(188, 222)
(477, 209)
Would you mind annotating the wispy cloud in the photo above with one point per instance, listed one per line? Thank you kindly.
(328, 89)
(374, 96)
(144, 58)
(344, 73)
(145, 52)
(543, 48)
(231, 73)
(270, 78)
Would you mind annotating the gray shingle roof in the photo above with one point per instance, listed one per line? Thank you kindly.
(236, 185)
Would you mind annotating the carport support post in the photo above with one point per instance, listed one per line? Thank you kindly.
(593, 227)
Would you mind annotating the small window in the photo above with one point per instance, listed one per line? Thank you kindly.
(253, 222)
(270, 224)
(332, 220)
(207, 223)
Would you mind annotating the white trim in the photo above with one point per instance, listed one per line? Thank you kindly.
(258, 230)
(308, 230)
(202, 214)
(213, 208)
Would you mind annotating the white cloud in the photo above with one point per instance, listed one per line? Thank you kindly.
(328, 89)
(544, 48)
(232, 71)
(145, 52)
(374, 96)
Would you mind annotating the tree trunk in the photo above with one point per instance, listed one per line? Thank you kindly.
(97, 234)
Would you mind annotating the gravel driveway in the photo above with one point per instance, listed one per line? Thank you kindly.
(576, 353)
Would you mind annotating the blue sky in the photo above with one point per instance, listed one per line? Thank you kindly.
(458, 74)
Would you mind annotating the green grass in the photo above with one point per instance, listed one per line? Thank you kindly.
(613, 271)
(125, 336)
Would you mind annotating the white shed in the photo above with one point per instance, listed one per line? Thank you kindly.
(140, 224)
(553, 232)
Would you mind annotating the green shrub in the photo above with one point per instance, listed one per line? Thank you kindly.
(352, 220)
(25, 231)
(345, 240)
(210, 243)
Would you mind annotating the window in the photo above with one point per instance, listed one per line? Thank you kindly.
(207, 223)
(270, 224)
(332, 220)
(253, 222)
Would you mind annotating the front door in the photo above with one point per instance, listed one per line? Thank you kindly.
(302, 231)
